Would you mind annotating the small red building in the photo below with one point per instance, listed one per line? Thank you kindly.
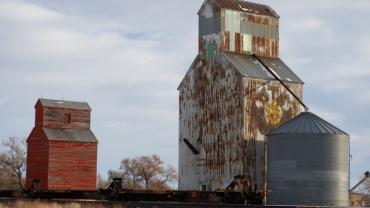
(61, 149)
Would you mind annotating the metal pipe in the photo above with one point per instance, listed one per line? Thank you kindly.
(281, 82)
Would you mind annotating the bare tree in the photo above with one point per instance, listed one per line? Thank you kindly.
(130, 170)
(7, 181)
(145, 172)
(161, 182)
(101, 183)
(169, 175)
(14, 158)
(148, 168)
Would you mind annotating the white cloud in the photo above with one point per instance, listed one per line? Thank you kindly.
(127, 60)
(360, 141)
(333, 117)
(52, 54)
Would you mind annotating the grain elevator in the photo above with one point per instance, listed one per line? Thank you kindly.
(228, 100)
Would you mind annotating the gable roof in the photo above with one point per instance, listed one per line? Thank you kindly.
(307, 123)
(250, 67)
(243, 6)
(70, 135)
(64, 104)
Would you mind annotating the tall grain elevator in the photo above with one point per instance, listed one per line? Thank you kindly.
(228, 101)
(61, 149)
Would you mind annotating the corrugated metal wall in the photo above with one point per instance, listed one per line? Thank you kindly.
(309, 169)
(228, 112)
(223, 113)
(249, 33)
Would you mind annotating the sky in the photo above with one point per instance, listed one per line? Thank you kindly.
(126, 59)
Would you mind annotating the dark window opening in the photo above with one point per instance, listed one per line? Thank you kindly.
(204, 188)
(67, 118)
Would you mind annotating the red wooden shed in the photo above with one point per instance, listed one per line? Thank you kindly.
(61, 149)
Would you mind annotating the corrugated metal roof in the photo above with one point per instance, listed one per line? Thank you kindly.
(307, 123)
(71, 135)
(250, 67)
(245, 6)
(64, 104)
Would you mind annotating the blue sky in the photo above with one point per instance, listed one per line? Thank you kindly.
(126, 59)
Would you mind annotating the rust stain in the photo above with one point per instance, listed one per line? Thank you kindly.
(225, 40)
(230, 111)
(261, 19)
(225, 115)
(245, 6)
(265, 47)
(238, 43)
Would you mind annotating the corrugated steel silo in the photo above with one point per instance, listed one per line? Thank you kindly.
(308, 163)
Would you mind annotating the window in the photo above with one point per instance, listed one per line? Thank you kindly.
(67, 118)
(204, 187)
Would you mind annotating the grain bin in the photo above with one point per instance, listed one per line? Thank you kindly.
(308, 163)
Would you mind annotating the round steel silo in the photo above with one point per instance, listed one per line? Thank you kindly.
(307, 163)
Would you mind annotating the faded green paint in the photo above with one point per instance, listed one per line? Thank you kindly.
(210, 52)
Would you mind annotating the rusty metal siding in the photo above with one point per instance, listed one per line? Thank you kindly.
(258, 108)
(229, 111)
(245, 6)
(225, 112)
(260, 30)
(248, 33)
(210, 100)
(250, 67)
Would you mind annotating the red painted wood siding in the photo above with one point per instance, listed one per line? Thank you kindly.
(72, 165)
(61, 165)
(51, 117)
(37, 158)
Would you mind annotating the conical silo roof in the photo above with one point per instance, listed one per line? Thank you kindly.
(307, 123)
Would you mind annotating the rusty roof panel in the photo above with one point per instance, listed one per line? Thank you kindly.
(249, 66)
(245, 6)
(64, 104)
(282, 70)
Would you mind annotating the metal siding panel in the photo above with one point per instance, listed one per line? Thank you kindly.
(72, 135)
(247, 43)
(209, 25)
(247, 7)
(307, 123)
(320, 177)
(249, 67)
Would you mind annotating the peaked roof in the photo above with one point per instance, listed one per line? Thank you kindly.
(243, 6)
(64, 104)
(307, 123)
(71, 135)
(250, 67)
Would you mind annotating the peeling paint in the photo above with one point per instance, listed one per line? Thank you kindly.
(231, 111)
(223, 113)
